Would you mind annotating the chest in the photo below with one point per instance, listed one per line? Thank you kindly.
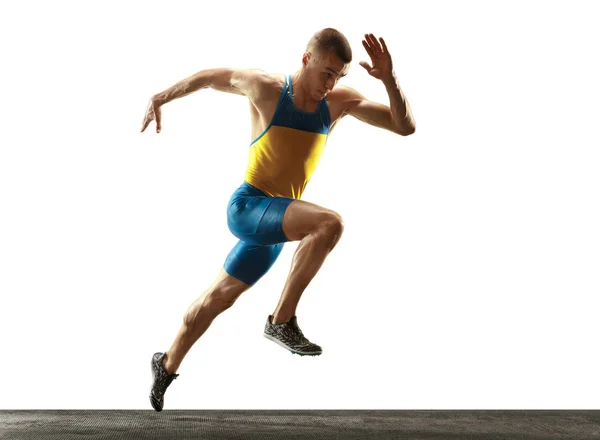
(263, 110)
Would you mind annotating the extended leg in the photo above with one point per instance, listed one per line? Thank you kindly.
(244, 266)
(220, 296)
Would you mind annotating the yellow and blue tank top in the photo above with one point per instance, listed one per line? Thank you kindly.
(283, 158)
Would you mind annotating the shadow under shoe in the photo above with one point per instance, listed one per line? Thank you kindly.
(289, 336)
(161, 381)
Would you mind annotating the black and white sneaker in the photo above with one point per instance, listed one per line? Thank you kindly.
(161, 382)
(289, 336)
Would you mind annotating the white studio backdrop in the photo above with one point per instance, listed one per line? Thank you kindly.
(467, 276)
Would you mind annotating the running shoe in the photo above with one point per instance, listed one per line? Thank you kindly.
(161, 382)
(289, 336)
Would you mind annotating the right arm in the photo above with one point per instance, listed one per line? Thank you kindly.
(248, 82)
(237, 81)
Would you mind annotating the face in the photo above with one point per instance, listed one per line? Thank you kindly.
(323, 73)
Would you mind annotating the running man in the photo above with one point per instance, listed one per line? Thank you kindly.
(292, 116)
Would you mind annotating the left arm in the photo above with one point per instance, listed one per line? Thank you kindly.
(398, 116)
(400, 109)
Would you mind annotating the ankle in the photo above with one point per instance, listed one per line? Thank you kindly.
(168, 367)
(280, 319)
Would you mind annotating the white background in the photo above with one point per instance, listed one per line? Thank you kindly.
(467, 276)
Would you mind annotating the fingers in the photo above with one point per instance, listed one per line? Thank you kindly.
(153, 112)
(158, 116)
(373, 43)
(148, 117)
(385, 49)
(365, 65)
(145, 124)
(368, 49)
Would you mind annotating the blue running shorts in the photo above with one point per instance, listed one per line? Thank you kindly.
(256, 219)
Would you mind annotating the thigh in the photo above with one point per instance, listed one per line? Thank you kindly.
(255, 218)
(227, 286)
(248, 263)
(302, 218)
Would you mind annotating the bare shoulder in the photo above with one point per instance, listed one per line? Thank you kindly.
(257, 84)
(342, 99)
(345, 95)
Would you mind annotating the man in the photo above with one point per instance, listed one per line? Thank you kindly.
(291, 117)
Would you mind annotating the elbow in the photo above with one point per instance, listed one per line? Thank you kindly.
(406, 131)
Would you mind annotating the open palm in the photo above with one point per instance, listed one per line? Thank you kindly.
(381, 60)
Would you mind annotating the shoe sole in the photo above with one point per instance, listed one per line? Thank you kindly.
(278, 342)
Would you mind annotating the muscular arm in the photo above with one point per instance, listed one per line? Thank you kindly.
(396, 118)
(248, 82)
(238, 81)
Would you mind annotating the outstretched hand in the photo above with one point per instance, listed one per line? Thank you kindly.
(381, 60)
(152, 113)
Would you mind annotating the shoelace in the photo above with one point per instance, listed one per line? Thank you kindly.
(288, 332)
(301, 336)
(296, 334)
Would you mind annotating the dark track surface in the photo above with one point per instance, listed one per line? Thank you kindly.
(298, 424)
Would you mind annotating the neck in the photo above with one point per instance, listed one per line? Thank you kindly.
(300, 94)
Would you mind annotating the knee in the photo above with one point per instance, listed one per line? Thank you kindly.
(332, 226)
(212, 303)
(219, 300)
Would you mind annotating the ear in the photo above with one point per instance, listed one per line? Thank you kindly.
(305, 58)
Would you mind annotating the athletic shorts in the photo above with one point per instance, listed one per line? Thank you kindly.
(256, 219)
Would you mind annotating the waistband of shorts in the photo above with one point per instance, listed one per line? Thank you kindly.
(250, 190)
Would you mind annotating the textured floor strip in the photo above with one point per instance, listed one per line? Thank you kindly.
(298, 424)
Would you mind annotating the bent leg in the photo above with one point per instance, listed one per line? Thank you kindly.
(319, 230)
(260, 220)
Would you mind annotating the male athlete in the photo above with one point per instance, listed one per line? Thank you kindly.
(291, 115)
